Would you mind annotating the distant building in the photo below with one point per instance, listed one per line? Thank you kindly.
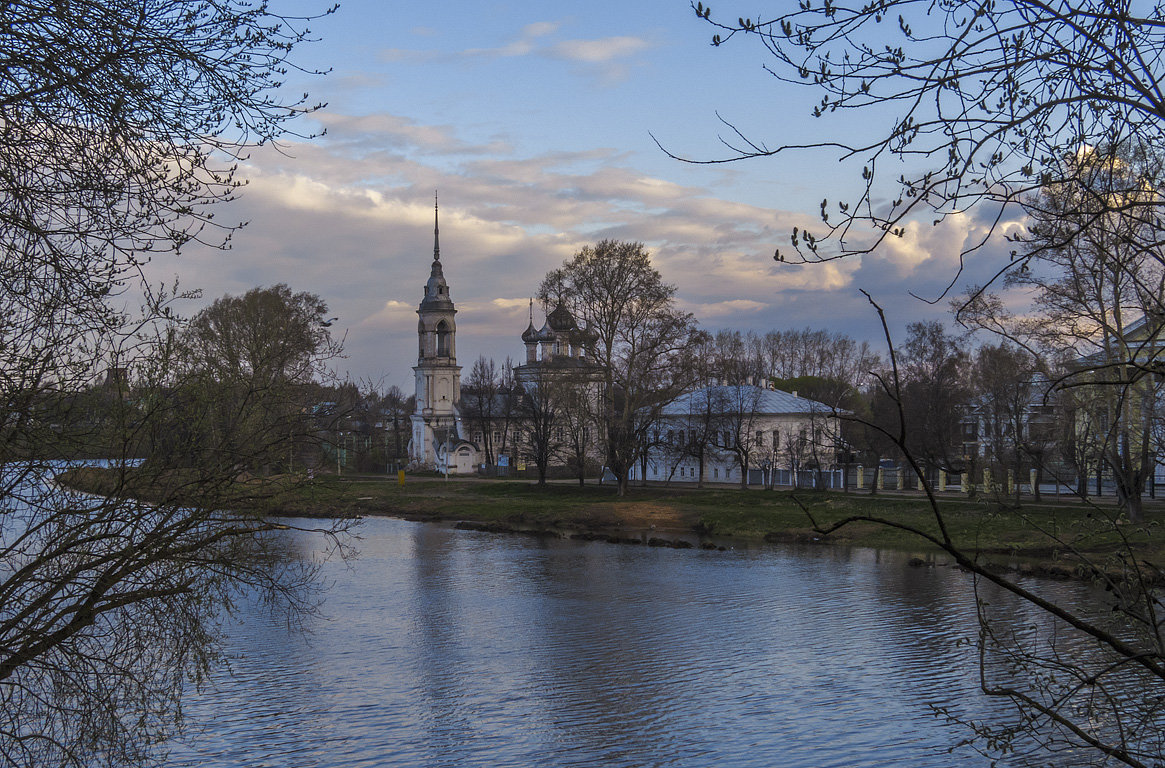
(752, 427)
(990, 429)
(436, 437)
(718, 433)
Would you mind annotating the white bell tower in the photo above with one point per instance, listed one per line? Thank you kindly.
(438, 376)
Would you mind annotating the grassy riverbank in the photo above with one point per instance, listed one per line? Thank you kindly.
(1035, 534)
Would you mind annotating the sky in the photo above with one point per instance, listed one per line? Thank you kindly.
(537, 125)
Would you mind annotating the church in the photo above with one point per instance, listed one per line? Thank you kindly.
(437, 441)
(776, 429)
(554, 352)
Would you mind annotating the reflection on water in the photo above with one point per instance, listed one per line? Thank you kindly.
(451, 648)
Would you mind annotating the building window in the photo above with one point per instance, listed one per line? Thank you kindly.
(716, 472)
(497, 437)
(760, 439)
(443, 337)
(776, 439)
(681, 471)
(671, 436)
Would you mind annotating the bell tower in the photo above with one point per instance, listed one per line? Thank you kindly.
(438, 376)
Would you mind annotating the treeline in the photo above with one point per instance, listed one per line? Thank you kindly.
(954, 405)
(234, 390)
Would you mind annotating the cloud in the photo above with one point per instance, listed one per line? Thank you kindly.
(723, 308)
(605, 55)
(350, 217)
(389, 316)
(598, 51)
(540, 29)
(386, 132)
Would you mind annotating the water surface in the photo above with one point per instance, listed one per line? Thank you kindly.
(441, 647)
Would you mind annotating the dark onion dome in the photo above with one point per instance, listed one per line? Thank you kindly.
(530, 335)
(561, 319)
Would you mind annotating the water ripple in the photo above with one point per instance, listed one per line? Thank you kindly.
(451, 648)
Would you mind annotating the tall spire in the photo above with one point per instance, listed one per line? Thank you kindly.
(436, 230)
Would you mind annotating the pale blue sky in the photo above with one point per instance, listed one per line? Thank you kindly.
(534, 122)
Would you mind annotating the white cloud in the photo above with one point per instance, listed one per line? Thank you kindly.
(599, 51)
(723, 308)
(540, 29)
(353, 222)
(389, 316)
(605, 55)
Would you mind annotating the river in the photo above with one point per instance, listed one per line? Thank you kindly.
(441, 647)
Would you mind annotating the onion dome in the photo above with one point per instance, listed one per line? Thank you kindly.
(561, 319)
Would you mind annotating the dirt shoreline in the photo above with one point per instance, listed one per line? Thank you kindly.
(710, 519)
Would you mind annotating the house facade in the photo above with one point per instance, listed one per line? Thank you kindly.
(740, 434)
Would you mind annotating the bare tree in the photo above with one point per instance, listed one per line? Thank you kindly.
(123, 122)
(543, 401)
(480, 403)
(633, 331)
(934, 376)
(985, 100)
(736, 422)
(579, 421)
(510, 414)
(1004, 399)
(1096, 278)
(395, 409)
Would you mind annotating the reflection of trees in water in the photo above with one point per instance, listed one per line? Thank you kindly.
(445, 667)
(460, 648)
(651, 654)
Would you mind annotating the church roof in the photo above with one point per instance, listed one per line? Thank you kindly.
(530, 335)
(727, 399)
(436, 289)
(561, 319)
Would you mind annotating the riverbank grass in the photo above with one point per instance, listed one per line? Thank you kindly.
(1045, 532)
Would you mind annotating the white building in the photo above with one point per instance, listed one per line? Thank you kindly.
(721, 433)
(436, 441)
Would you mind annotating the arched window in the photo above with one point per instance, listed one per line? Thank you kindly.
(443, 337)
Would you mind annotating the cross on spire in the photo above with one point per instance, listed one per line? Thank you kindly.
(436, 230)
